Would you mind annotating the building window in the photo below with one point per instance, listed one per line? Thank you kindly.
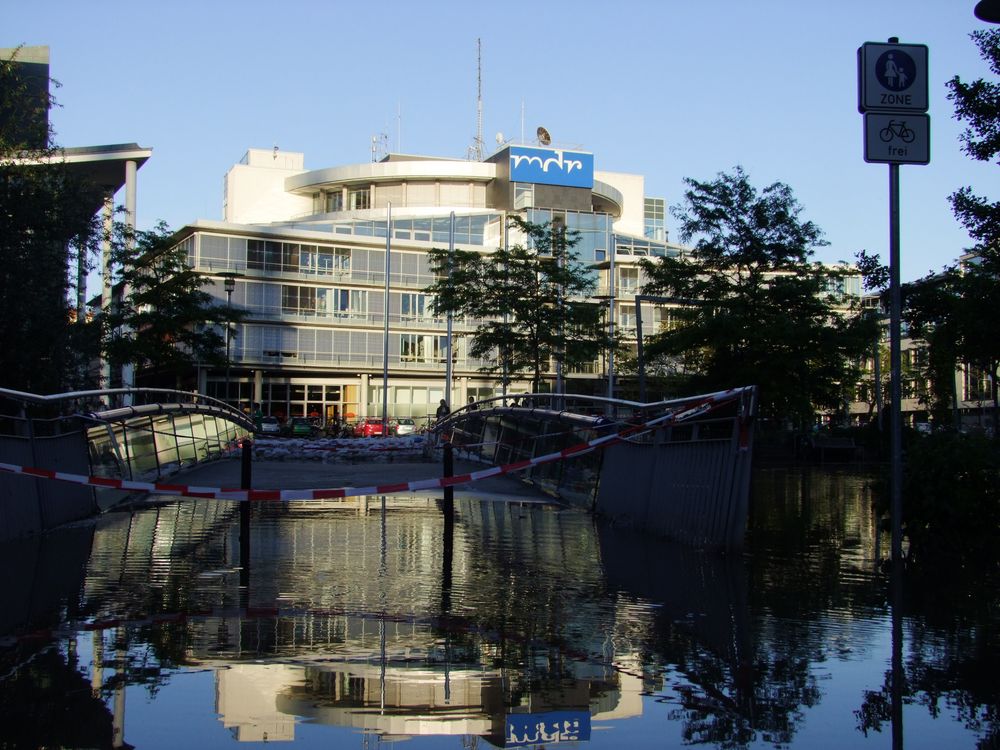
(299, 300)
(524, 196)
(335, 201)
(654, 224)
(412, 306)
(359, 199)
(324, 260)
(628, 280)
(416, 347)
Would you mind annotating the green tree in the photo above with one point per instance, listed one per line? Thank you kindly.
(930, 309)
(977, 104)
(530, 298)
(163, 321)
(768, 315)
(46, 220)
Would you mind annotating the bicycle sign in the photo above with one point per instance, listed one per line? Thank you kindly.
(897, 138)
(896, 129)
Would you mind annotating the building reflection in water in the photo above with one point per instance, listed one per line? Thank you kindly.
(347, 620)
(542, 626)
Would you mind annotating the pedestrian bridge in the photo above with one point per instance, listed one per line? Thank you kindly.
(678, 468)
(124, 433)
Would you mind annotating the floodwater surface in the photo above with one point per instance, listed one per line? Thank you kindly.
(526, 625)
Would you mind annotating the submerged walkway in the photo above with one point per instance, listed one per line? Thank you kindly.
(290, 475)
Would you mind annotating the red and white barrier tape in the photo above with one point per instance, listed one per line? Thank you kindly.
(223, 493)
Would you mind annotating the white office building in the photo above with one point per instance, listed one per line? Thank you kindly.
(308, 249)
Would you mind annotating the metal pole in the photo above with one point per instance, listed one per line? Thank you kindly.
(246, 482)
(229, 336)
(896, 457)
(638, 349)
(895, 366)
(505, 355)
(448, 339)
(385, 327)
(560, 238)
(612, 288)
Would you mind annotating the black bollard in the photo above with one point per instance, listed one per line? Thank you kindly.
(246, 477)
(449, 471)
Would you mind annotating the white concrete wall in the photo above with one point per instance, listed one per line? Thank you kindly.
(633, 190)
(255, 190)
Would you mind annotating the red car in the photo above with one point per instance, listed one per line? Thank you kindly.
(371, 427)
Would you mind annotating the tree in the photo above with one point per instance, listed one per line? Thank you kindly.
(768, 316)
(163, 321)
(529, 298)
(46, 220)
(977, 104)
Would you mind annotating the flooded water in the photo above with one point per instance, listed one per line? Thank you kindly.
(534, 626)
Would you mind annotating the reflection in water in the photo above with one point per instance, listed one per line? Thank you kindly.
(535, 626)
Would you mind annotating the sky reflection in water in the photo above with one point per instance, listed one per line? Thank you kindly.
(545, 628)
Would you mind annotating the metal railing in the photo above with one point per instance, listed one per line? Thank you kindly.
(686, 477)
(127, 433)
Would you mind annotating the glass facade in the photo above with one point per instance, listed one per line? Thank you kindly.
(654, 223)
(590, 230)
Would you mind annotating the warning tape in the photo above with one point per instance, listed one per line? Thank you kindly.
(241, 495)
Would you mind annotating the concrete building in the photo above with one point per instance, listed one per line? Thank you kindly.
(305, 254)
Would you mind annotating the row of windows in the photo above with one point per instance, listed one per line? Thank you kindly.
(357, 199)
(265, 255)
(309, 300)
(305, 345)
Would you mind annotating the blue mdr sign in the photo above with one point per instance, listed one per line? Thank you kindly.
(551, 166)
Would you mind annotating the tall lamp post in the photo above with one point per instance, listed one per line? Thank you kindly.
(229, 281)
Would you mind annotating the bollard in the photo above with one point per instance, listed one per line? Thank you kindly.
(246, 476)
(449, 471)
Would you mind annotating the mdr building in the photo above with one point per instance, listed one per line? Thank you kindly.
(303, 253)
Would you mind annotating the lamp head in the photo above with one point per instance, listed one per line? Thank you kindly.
(988, 10)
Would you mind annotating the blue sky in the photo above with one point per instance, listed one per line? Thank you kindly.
(669, 89)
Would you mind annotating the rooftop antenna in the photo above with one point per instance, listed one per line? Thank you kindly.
(476, 152)
(380, 146)
(543, 136)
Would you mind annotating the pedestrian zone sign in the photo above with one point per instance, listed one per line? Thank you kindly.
(892, 77)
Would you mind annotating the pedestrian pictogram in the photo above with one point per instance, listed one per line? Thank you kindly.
(892, 77)
(895, 70)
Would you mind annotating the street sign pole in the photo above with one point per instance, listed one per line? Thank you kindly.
(893, 97)
(895, 367)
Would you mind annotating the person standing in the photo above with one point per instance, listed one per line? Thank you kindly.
(442, 410)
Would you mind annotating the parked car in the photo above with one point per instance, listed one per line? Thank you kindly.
(371, 427)
(301, 427)
(270, 426)
(405, 426)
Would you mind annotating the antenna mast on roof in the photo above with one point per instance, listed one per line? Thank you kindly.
(380, 146)
(476, 152)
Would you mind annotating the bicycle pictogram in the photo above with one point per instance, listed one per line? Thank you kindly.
(896, 129)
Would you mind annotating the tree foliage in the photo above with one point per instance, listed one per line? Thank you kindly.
(529, 298)
(46, 222)
(954, 310)
(163, 320)
(767, 315)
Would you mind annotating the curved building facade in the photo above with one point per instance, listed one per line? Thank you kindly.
(307, 249)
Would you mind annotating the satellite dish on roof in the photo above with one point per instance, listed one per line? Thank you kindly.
(543, 136)
(499, 139)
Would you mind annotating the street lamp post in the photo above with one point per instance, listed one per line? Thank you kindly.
(230, 285)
